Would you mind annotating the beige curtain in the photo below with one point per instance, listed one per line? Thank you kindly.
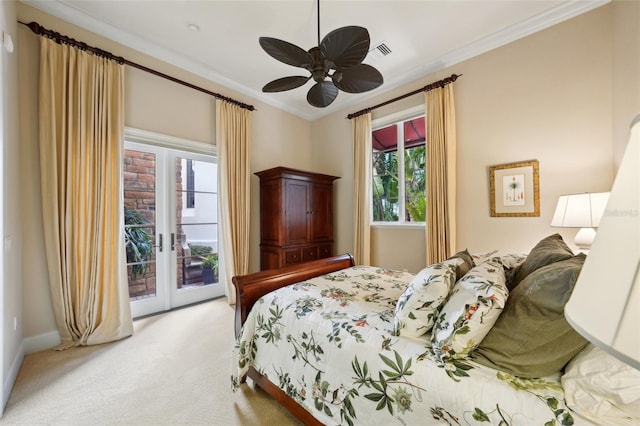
(441, 174)
(362, 177)
(81, 114)
(233, 140)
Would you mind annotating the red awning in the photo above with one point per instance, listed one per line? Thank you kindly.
(386, 138)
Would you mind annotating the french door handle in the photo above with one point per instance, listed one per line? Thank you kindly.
(173, 241)
(159, 246)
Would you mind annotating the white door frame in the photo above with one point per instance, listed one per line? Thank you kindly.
(167, 148)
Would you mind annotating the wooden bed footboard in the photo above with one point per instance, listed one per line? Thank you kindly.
(249, 288)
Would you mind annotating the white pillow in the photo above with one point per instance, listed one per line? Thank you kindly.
(418, 306)
(600, 386)
(473, 307)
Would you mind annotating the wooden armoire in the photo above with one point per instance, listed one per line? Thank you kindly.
(296, 216)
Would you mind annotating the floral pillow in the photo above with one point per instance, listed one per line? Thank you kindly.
(417, 308)
(474, 305)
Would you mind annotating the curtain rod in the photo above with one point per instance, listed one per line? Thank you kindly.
(59, 38)
(426, 88)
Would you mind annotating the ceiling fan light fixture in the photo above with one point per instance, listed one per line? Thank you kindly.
(342, 50)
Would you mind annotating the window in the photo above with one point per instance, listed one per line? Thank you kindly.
(398, 185)
(191, 196)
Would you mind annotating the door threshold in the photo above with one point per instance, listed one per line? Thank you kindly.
(177, 308)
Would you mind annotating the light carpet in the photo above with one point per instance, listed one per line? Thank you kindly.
(175, 370)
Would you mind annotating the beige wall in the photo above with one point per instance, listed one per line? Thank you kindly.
(626, 72)
(548, 97)
(153, 104)
(10, 271)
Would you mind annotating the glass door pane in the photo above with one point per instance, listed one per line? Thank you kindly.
(196, 225)
(143, 238)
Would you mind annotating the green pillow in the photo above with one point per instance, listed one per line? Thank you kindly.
(465, 266)
(548, 250)
(531, 337)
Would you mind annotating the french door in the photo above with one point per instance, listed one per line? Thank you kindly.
(171, 227)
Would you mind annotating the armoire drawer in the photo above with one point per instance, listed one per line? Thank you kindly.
(309, 253)
(292, 257)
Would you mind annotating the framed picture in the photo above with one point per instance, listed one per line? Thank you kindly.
(515, 189)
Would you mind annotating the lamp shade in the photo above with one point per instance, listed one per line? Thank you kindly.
(580, 210)
(605, 304)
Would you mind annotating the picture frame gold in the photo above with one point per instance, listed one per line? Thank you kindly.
(515, 189)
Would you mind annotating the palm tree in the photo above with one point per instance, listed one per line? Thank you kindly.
(514, 185)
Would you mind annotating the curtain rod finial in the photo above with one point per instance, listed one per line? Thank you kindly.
(35, 27)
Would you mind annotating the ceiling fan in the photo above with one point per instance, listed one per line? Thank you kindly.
(336, 63)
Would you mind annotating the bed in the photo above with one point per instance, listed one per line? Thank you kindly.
(325, 340)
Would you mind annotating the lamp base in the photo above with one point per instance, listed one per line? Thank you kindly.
(584, 239)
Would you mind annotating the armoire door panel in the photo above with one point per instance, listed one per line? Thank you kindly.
(322, 223)
(296, 212)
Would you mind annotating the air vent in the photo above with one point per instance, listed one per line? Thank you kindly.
(383, 48)
(380, 50)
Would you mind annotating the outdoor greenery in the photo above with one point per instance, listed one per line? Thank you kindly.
(138, 242)
(211, 261)
(415, 183)
(199, 250)
(386, 187)
(210, 269)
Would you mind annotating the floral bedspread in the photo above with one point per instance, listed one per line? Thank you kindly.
(328, 344)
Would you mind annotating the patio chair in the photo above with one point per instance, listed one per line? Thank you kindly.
(191, 265)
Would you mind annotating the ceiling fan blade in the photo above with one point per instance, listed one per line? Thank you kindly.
(285, 83)
(357, 79)
(322, 94)
(346, 46)
(286, 52)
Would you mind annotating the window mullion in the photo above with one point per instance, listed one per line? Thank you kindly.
(401, 180)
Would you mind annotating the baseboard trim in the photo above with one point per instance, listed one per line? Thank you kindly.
(12, 375)
(41, 342)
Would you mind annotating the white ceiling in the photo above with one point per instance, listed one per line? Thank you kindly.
(424, 35)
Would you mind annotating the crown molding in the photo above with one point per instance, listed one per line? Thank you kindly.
(560, 13)
(500, 38)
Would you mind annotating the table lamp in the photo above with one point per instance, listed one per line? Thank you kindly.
(582, 211)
